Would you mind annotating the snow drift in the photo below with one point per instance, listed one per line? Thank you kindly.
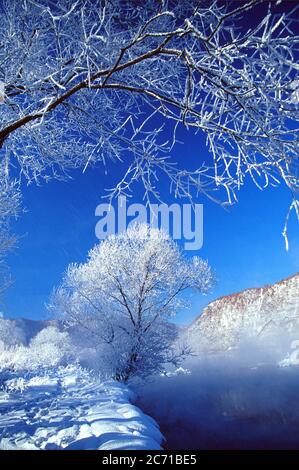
(69, 408)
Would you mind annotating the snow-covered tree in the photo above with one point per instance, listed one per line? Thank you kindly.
(9, 206)
(125, 294)
(90, 81)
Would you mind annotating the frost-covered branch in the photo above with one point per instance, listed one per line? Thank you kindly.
(93, 81)
(9, 206)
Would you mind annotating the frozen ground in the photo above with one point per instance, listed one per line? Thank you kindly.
(69, 409)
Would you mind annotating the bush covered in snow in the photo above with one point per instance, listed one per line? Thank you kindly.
(292, 358)
(50, 347)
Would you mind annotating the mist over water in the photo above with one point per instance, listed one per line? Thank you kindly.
(229, 401)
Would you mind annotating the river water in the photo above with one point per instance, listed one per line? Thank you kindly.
(225, 406)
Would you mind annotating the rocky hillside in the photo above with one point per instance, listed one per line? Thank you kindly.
(267, 312)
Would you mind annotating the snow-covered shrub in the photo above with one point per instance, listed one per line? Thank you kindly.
(17, 384)
(292, 358)
(49, 348)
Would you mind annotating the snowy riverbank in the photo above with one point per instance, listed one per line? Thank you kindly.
(68, 408)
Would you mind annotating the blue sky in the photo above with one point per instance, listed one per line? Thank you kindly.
(244, 245)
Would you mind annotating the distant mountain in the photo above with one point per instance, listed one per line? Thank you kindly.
(268, 312)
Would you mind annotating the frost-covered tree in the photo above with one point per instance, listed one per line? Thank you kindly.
(9, 205)
(125, 294)
(10, 333)
(49, 348)
(90, 81)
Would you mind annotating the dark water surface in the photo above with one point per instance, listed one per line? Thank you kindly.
(226, 407)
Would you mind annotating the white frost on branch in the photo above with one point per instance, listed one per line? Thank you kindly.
(96, 64)
(91, 82)
(9, 207)
(295, 92)
(2, 92)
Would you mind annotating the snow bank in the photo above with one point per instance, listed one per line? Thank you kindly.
(224, 404)
(68, 408)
